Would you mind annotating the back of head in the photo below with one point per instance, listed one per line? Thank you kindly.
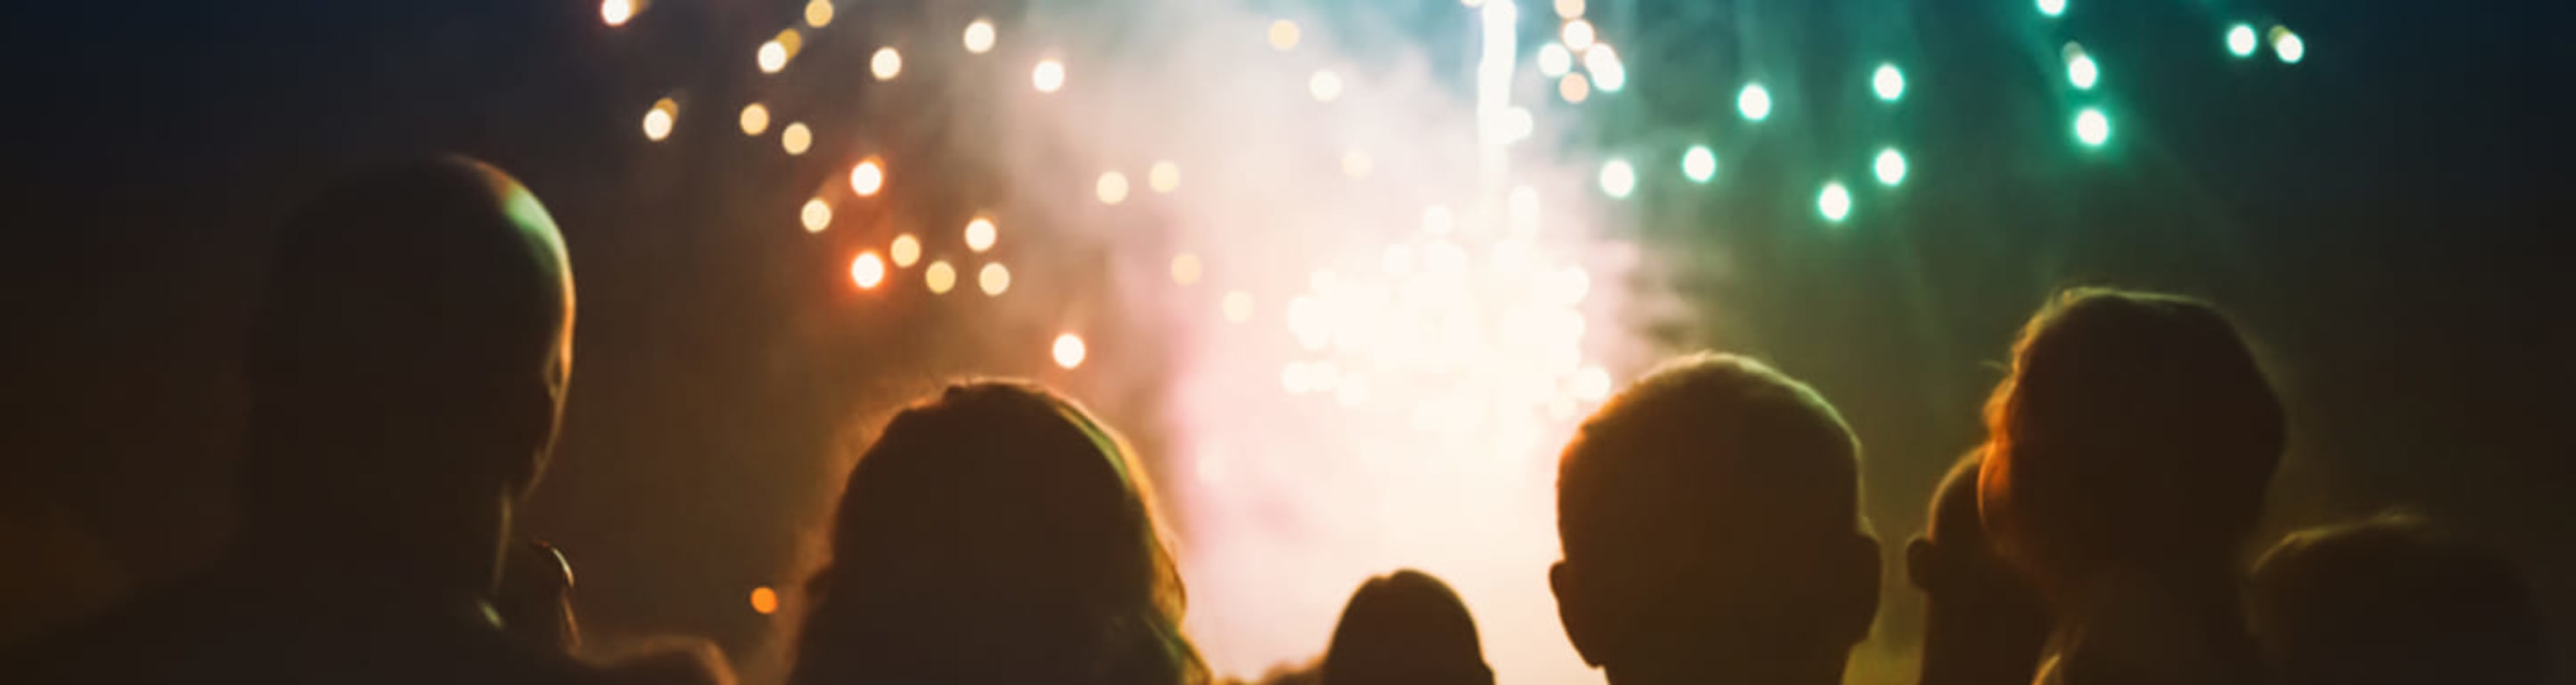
(1405, 628)
(2135, 431)
(1982, 622)
(2392, 602)
(411, 350)
(996, 533)
(1713, 507)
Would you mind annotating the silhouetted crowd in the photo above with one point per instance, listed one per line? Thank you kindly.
(412, 349)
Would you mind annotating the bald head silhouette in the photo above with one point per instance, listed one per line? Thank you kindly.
(408, 364)
(407, 369)
(1405, 628)
(1711, 526)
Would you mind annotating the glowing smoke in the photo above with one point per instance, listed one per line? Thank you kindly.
(1425, 305)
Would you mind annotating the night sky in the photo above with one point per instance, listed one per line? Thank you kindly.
(2383, 219)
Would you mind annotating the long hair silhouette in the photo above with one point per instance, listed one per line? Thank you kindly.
(997, 533)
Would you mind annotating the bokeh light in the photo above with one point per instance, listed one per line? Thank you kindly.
(2052, 7)
(1574, 88)
(1887, 82)
(1437, 221)
(1111, 188)
(816, 215)
(868, 270)
(1835, 203)
(905, 250)
(2288, 46)
(772, 56)
(818, 13)
(939, 276)
(994, 279)
(1398, 260)
(1520, 207)
(1309, 322)
(1754, 102)
(1356, 163)
(659, 120)
(2080, 69)
(1163, 177)
(616, 12)
(981, 234)
(1283, 34)
(795, 139)
(1185, 269)
(755, 119)
(1618, 179)
(1048, 76)
(1325, 85)
(1577, 35)
(1237, 306)
(1569, 9)
(1294, 378)
(868, 177)
(1889, 167)
(764, 601)
(2241, 40)
(886, 63)
(1069, 350)
(1607, 72)
(1517, 124)
(2092, 127)
(1699, 164)
(979, 36)
(1554, 60)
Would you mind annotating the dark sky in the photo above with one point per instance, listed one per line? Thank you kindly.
(2384, 219)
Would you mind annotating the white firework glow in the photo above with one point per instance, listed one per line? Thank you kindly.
(1429, 323)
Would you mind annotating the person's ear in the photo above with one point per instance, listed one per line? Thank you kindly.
(1579, 611)
(1855, 589)
(1919, 563)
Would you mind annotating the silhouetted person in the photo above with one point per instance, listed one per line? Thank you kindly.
(2391, 602)
(2126, 461)
(407, 368)
(1405, 628)
(1982, 624)
(1711, 524)
(996, 534)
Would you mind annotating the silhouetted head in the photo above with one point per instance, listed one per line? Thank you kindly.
(1405, 628)
(996, 534)
(1710, 518)
(1982, 623)
(2391, 602)
(2135, 432)
(408, 363)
